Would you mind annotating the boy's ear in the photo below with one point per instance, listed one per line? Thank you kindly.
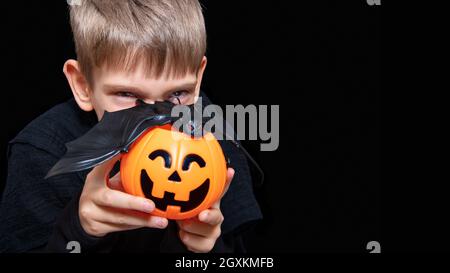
(200, 72)
(78, 84)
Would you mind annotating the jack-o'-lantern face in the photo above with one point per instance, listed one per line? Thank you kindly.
(182, 175)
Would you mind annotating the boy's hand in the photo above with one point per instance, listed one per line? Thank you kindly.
(107, 208)
(200, 233)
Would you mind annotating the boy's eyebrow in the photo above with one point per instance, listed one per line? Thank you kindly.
(183, 86)
(138, 91)
(119, 87)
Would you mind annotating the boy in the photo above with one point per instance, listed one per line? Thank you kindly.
(126, 50)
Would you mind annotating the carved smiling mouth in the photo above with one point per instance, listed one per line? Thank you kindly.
(196, 196)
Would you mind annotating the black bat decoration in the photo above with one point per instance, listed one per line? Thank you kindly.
(115, 133)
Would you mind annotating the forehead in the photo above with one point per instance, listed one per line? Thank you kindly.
(139, 78)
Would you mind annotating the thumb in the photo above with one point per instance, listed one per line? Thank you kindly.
(101, 172)
(115, 183)
(230, 175)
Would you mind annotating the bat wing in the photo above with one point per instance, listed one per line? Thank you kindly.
(113, 134)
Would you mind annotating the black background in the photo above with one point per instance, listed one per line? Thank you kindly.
(320, 61)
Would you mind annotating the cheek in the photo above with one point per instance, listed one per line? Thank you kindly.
(115, 103)
(98, 104)
(191, 98)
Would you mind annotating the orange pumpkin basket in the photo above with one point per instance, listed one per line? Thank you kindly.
(182, 175)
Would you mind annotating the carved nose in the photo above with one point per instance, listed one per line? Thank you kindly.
(175, 177)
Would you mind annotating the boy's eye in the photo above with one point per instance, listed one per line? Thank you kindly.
(126, 94)
(178, 95)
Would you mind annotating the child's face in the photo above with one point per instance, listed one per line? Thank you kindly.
(115, 90)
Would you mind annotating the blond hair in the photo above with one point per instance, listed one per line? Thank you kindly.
(166, 36)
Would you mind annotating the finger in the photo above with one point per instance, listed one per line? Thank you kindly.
(115, 183)
(211, 217)
(195, 227)
(126, 218)
(196, 243)
(230, 175)
(100, 229)
(121, 200)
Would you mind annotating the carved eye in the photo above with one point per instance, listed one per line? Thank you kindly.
(165, 155)
(192, 158)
